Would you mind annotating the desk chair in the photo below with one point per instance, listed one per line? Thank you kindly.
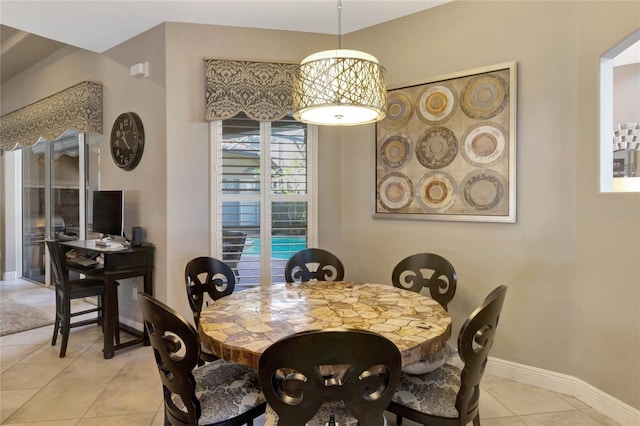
(313, 375)
(301, 266)
(441, 283)
(432, 398)
(207, 276)
(67, 290)
(217, 393)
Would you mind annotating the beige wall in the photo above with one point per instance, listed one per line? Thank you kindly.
(571, 261)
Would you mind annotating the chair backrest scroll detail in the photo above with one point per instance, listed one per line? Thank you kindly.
(369, 374)
(301, 266)
(474, 343)
(207, 276)
(408, 274)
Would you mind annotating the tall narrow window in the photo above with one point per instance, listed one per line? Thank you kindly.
(262, 196)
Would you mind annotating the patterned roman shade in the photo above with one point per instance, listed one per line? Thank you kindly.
(262, 90)
(79, 107)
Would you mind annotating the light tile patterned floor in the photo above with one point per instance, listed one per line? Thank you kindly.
(37, 388)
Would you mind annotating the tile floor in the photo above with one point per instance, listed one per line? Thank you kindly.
(37, 388)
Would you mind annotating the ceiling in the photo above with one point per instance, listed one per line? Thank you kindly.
(32, 30)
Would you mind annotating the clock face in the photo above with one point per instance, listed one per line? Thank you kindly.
(127, 140)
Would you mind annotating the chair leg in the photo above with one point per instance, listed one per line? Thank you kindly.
(65, 327)
(56, 327)
(476, 419)
(166, 418)
(56, 330)
(398, 420)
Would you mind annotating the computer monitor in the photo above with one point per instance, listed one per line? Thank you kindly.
(108, 212)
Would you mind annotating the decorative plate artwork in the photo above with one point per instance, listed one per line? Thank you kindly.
(483, 144)
(483, 189)
(437, 148)
(447, 148)
(399, 110)
(484, 96)
(395, 150)
(395, 191)
(436, 104)
(436, 192)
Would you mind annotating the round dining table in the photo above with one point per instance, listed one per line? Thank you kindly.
(240, 326)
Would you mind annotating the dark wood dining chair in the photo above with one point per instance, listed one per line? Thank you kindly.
(431, 398)
(207, 276)
(441, 282)
(218, 393)
(309, 376)
(67, 290)
(313, 264)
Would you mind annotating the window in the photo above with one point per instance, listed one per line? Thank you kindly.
(262, 195)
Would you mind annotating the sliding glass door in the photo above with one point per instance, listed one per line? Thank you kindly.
(34, 185)
(55, 178)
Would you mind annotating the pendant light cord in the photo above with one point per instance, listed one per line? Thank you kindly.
(339, 24)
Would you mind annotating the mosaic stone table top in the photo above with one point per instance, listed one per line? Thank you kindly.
(239, 327)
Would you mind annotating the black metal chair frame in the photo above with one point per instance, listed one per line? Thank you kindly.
(474, 343)
(176, 347)
(297, 269)
(441, 284)
(365, 387)
(67, 290)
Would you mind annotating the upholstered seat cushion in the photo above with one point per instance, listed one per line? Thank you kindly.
(434, 393)
(225, 390)
(341, 415)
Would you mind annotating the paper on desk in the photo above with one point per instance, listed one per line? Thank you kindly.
(112, 247)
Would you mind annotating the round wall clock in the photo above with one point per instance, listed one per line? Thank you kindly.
(127, 140)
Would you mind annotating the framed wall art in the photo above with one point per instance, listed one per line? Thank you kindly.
(447, 149)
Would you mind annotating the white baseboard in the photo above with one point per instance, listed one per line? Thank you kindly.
(11, 275)
(126, 321)
(617, 410)
(131, 323)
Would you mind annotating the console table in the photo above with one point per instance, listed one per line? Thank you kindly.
(119, 263)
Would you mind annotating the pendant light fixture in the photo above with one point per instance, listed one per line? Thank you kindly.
(339, 87)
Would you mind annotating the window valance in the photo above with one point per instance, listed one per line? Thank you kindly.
(262, 90)
(79, 107)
